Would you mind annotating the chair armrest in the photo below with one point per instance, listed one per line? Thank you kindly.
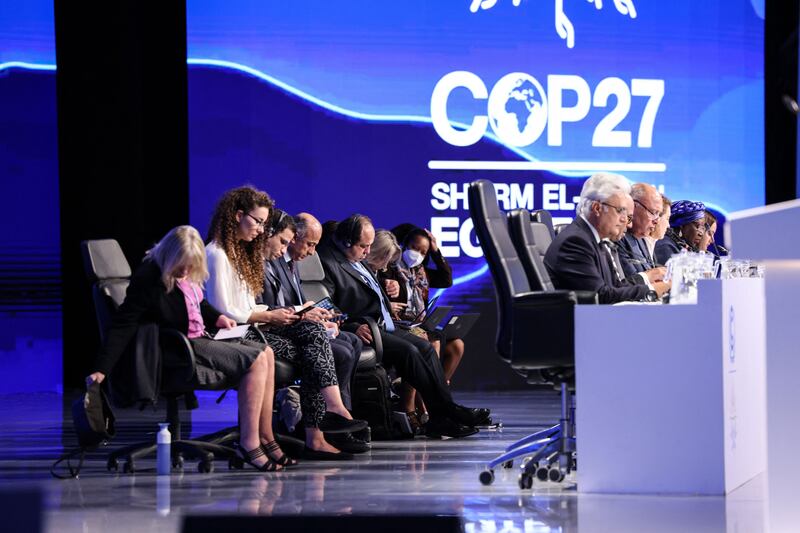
(377, 342)
(587, 297)
(542, 298)
(178, 352)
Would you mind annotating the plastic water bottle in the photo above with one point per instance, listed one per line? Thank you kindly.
(163, 450)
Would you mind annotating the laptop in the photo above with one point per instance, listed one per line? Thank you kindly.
(433, 316)
(459, 325)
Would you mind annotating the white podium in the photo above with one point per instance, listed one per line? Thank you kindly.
(670, 398)
(751, 235)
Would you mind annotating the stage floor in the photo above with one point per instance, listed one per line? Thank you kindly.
(405, 477)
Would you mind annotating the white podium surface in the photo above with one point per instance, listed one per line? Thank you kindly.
(670, 398)
(748, 233)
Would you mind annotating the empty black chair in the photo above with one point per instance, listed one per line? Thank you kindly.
(107, 268)
(543, 216)
(531, 239)
(535, 335)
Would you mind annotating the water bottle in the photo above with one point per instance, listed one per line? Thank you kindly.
(163, 450)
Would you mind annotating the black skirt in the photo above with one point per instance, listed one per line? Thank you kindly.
(222, 364)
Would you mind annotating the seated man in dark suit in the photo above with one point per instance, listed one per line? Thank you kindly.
(635, 259)
(581, 256)
(355, 290)
(282, 288)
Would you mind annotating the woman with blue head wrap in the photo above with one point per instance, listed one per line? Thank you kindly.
(687, 227)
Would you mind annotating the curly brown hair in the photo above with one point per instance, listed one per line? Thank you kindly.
(247, 258)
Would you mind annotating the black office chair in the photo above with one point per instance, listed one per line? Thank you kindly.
(532, 237)
(535, 336)
(107, 268)
(543, 216)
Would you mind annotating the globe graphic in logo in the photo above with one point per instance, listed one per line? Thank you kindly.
(518, 109)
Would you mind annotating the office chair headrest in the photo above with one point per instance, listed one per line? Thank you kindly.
(310, 269)
(103, 259)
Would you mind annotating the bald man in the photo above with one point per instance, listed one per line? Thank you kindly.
(634, 255)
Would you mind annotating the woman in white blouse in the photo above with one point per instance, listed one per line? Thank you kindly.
(236, 274)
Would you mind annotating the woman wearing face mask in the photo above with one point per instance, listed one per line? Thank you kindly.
(422, 267)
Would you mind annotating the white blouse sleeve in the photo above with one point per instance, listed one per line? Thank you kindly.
(222, 289)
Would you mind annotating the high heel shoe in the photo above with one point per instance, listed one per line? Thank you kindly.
(248, 456)
(284, 461)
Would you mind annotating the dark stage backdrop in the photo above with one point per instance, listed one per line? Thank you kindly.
(392, 108)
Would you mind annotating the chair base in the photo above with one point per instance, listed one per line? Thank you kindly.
(548, 455)
(204, 452)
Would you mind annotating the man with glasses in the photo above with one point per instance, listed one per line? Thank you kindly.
(582, 257)
(637, 264)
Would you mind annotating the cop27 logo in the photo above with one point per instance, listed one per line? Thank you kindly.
(564, 26)
(518, 108)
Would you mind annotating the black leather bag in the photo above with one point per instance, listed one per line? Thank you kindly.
(94, 424)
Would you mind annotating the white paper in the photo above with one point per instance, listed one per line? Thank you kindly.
(233, 333)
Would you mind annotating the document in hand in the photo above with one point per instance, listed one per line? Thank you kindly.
(234, 333)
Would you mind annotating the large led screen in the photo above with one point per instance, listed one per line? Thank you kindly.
(392, 108)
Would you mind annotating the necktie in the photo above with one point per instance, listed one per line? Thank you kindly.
(276, 285)
(615, 267)
(369, 280)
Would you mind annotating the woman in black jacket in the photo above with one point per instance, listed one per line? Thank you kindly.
(167, 289)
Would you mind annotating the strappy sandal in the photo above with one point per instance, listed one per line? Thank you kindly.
(249, 456)
(284, 461)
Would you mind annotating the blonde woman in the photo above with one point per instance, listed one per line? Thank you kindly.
(167, 289)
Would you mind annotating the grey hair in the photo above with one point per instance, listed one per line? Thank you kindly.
(302, 227)
(384, 248)
(599, 188)
(181, 248)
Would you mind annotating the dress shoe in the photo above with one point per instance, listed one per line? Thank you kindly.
(347, 442)
(335, 423)
(469, 416)
(318, 455)
(438, 427)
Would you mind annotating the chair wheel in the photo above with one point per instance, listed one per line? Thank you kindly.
(112, 465)
(525, 481)
(542, 473)
(235, 463)
(508, 464)
(486, 477)
(129, 467)
(205, 467)
(556, 475)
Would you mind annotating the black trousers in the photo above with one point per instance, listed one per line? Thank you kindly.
(416, 362)
(346, 352)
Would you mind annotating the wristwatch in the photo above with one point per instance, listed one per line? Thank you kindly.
(651, 296)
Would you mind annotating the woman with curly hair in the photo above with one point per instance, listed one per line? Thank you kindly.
(236, 255)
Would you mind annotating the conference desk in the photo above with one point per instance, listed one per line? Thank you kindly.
(671, 398)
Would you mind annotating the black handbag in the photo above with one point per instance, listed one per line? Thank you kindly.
(94, 424)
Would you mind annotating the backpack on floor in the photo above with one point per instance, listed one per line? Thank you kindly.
(372, 401)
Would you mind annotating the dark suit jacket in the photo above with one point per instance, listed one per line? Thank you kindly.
(348, 290)
(633, 256)
(667, 247)
(576, 262)
(290, 296)
(147, 301)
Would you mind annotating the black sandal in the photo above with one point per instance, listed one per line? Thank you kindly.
(285, 461)
(249, 456)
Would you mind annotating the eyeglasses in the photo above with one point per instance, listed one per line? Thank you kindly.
(262, 223)
(620, 211)
(654, 215)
